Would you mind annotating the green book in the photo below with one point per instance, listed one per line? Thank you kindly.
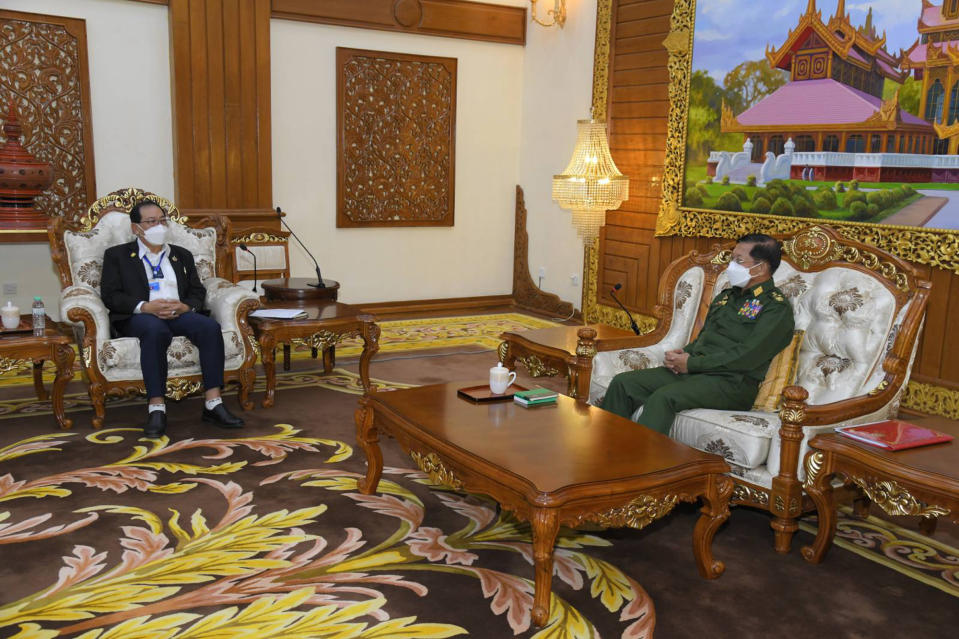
(537, 395)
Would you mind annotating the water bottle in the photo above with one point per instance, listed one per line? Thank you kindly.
(39, 316)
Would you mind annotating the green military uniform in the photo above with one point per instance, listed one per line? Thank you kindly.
(743, 331)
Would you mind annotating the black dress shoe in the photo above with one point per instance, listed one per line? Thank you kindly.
(221, 417)
(156, 424)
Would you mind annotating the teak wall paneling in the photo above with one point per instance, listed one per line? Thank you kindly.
(449, 18)
(629, 252)
(221, 103)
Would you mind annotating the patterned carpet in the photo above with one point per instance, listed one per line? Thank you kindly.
(266, 535)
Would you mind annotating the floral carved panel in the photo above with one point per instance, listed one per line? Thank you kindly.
(396, 124)
(44, 70)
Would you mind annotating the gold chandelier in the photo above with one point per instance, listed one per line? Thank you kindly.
(591, 183)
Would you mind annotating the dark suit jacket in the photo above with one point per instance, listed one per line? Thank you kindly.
(124, 284)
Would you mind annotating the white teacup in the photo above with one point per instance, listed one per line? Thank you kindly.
(500, 378)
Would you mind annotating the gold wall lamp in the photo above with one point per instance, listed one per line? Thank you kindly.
(558, 13)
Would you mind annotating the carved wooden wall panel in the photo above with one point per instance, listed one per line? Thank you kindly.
(43, 68)
(221, 103)
(629, 251)
(396, 126)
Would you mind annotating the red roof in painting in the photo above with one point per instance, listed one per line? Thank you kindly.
(810, 102)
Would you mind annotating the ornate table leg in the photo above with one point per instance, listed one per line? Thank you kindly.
(329, 358)
(370, 332)
(368, 439)
(38, 380)
(819, 488)
(268, 356)
(714, 512)
(286, 357)
(63, 357)
(545, 526)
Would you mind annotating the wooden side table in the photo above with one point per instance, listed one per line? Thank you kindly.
(297, 291)
(564, 350)
(22, 349)
(326, 325)
(920, 481)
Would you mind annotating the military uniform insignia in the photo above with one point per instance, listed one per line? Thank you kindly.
(750, 309)
(758, 290)
(777, 296)
(721, 301)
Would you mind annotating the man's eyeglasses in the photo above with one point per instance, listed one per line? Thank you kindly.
(160, 220)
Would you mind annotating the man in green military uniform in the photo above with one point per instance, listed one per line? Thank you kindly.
(746, 326)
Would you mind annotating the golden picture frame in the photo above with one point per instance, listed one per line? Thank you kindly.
(933, 247)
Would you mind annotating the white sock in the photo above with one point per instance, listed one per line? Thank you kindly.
(213, 403)
(153, 407)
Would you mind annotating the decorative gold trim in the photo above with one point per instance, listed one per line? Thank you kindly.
(536, 366)
(177, 389)
(255, 347)
(502, 351)
(638, 513)
(897, 500)
(604, 17)
(932, 247)
(813, 247)
(933, 400)
(813, 466)
(320, 340)
(8, 365)
(125, 200)
(744, 493)
(433, 466)
(258, 237)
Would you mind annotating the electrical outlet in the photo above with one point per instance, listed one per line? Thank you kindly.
(574, 280)
(10, 288)
(542, 271)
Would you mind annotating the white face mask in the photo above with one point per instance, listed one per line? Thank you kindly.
(155, 235)
(739, 275)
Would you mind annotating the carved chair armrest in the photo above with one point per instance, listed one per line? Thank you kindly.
(630, 342)
(226, 303)
(82, 306)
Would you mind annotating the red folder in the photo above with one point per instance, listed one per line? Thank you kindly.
(894, 434)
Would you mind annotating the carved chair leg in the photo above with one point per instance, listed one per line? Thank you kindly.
(927, 526)
(784, 528)
(98, 398)
(247, 379)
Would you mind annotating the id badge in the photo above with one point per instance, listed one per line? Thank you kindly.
(155, 285)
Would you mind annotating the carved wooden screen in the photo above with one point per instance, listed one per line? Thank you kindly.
(396, 127)
(43, 68)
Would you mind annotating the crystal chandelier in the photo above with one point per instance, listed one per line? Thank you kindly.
(591, 183)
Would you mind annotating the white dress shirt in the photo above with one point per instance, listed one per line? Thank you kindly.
(167, 286)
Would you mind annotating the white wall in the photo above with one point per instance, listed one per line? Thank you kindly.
(473, 257)
(558, 88)
(129, 58)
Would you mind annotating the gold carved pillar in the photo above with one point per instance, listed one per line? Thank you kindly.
(221, 103)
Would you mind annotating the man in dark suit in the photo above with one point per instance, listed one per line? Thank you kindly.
(154, 293)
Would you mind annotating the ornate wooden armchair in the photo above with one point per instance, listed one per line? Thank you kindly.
(272, 251)
(861, 309)
(112, 364)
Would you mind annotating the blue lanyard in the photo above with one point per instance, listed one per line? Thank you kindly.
(157, 271)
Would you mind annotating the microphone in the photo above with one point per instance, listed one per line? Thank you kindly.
(319, 277)
(632, 322)
(244, 247)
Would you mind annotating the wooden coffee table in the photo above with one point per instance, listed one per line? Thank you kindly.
(919, 481)
(24, 350)
(326, 325)
(551, 465)
(563, 350)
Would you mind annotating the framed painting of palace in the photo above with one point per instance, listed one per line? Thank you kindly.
(815, 111)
